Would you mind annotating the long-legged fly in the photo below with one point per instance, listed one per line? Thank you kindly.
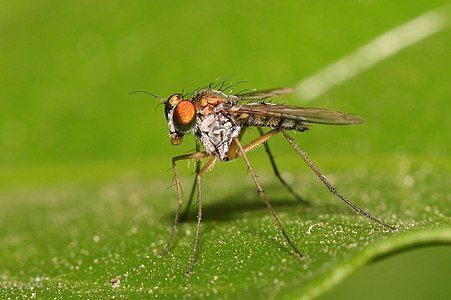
(219, 120)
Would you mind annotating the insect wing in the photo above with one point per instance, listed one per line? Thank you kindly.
(306, 114)
(264, 94)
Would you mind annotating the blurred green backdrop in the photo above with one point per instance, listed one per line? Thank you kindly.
(67, 68)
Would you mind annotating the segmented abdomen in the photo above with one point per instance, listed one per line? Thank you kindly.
(268, 121)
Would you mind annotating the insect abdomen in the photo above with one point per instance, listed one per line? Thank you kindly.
(282, 123)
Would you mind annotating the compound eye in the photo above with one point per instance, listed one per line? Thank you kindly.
(184, 115)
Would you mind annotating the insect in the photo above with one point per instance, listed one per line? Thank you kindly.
(219, 120)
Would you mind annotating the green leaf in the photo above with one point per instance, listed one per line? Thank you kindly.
(72, 239)
(374, 252)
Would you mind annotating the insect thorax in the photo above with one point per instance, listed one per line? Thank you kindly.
(216, 131)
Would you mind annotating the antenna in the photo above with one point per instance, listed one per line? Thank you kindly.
(162, 100)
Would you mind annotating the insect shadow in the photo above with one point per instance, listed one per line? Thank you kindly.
(229, 207)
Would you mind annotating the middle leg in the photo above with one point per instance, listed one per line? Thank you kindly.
(277, 173)
(266, 200)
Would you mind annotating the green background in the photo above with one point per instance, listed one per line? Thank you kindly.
(80, 157)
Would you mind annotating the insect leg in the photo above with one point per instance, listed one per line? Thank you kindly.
(234, 151)
(277, 173)
(205, 168)
(331, 188)
(257, 142)
(197, 156)
(266, 200)
(193, 188)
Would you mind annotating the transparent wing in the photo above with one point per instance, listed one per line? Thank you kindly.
(264, 94)
(306, 114)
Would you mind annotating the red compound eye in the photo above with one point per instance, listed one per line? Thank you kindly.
(184, 115)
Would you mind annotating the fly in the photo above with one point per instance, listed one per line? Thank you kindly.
(219, 120)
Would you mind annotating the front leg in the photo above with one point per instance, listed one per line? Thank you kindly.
(196, 156)
(206, 168)
(193, 188)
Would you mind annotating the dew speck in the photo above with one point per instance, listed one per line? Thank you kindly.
(96, 239)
